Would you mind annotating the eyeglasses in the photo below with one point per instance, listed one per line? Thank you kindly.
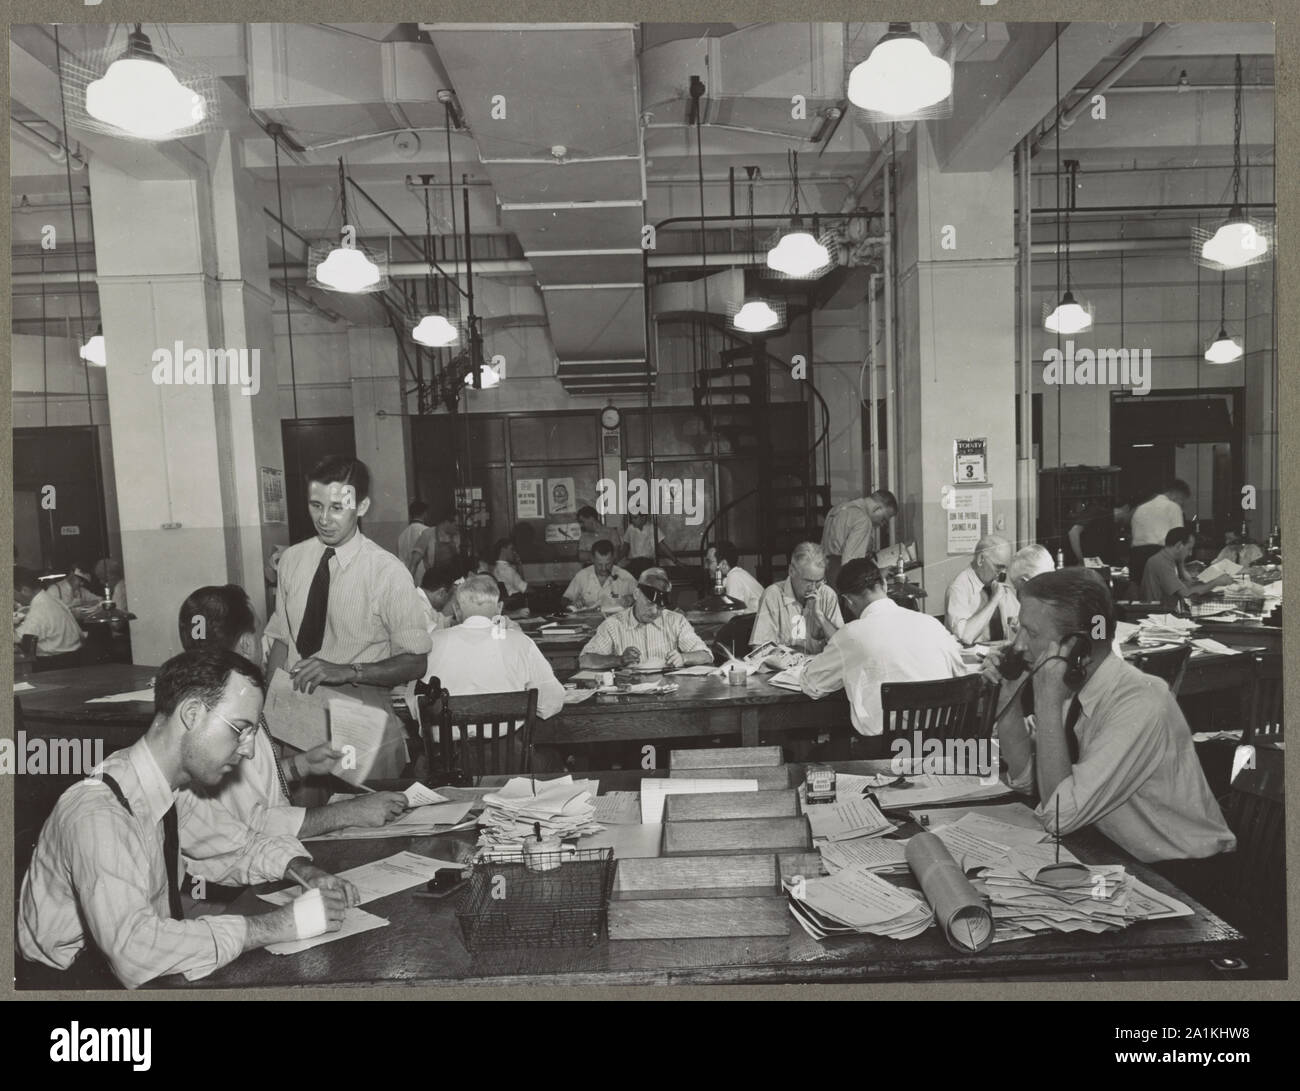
(245, 733)
(654, 594)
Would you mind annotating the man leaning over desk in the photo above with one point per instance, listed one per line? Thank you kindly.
(647, 632)
(347, 613)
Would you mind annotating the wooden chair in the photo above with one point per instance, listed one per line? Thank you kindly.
(495, 745)
(950, 708)
(1262, 704)
(734, 634)
(1168, 663)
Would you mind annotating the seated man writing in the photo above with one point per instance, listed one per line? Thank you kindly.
(602, 585)
(256, 793)
(103, 890)
(1165, 580)
(886, 643)
(646, 632)
(1107, 744)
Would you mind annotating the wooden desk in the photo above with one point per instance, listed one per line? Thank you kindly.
(422, 943)
(1243, 634)
(562, 652)
(57, 706)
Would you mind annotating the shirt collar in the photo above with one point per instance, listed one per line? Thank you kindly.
(345, 553)
(157, 794)
(880, 606)
(1103, 681)
(630, 619)
(477, 621)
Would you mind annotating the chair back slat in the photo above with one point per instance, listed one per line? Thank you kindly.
(1263, 706)
(494, 745)
(948, 708)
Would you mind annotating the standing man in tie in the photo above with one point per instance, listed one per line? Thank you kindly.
(852, 529)
(979, 603)
(346, 614)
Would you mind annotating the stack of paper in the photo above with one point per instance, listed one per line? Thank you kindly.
(855, 900)
(1218, 568)
(927, 789)
(561, 808)
(421, 820)
(847, 819)
(1164, 629)
(882, 855)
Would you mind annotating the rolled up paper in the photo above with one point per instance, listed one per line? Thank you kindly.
(962, 915)
(309, 914)
(543, 855)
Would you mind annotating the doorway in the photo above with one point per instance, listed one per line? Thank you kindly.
(306, 442)
(59, 513)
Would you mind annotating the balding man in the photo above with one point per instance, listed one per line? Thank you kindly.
(1027, 563)
(852, 529)
(979, 604)
(800, 611)
(485, 653)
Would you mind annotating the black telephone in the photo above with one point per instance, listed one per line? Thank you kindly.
(1013, 662)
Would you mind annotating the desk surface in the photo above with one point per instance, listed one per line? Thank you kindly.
(422, 943)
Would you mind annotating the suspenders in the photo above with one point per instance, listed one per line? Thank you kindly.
(171, 848)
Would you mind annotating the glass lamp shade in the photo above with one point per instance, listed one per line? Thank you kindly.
(756, 316)
(347, 270)
(1068, 317)
(93, 351)
(1224, 350)
(798, 254)
(1235, 244)
(900, 77)
(435, 332)
(145, 99)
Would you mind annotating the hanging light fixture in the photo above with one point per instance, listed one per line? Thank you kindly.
(1223, 349)
(1240, 240)
(756, 316)
(901, 78)
(347, 267)
(753, 314)
(798, 254)
(140, 96)
(1069, 316)
(435, 332)
(93, 350)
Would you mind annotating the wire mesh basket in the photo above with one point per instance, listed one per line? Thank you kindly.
(558, 900)
(1214, 605)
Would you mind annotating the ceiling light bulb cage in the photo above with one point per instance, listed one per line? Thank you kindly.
(901, 79)
(1233, 243)
(140, 90)
(437, 330)
(334, 267)
(757, 314)
(801, 252)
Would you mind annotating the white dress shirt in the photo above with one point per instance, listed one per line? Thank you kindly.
(1153, 520)
(668, 632)
(587, 592)
(508, 575)
(742, 587)
(406, 545)
(965, 598)
(1138, 779)
(473, 658)
(780, 617)
(888, 643)
(98, 869)
(641, 540)
(849, 533)
(52, 623)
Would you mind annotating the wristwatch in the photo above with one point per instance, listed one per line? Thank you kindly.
(356, 674)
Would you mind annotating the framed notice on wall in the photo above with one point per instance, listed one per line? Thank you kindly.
(970, 461)
(967, 513)
(272, 489)
(529, 498)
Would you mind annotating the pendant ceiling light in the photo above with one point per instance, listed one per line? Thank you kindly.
(93, 350)
(1240, 240)
(798, 254)
(901, 78)
(348, 267)
(753, 314)
(756, 316)
(140, 95)
(434, 330)
(1223, 349)
(1069, 315)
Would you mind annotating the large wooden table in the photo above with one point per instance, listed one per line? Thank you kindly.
(562, 651)
(422, 944)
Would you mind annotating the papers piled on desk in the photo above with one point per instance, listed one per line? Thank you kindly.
(932, 788)
(1212, 572)
(562, 808)
(881, 855)
(1164, 629)
(421, 821)
(856, 900)
(847, 819)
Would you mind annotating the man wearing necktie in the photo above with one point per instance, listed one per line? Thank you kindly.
(1107, 745)
(347, 614)
(979, 603)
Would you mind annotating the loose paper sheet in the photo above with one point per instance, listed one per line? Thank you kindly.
(145, 695)
(357, 730)
(355, 921)
(379, 878)
(299, 719)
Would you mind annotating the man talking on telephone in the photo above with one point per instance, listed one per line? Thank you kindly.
(1106, 745)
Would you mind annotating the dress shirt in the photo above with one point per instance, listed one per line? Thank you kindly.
(98, 869)
(434, 620)
(742, 587)
(669, 632)
(849, 533)
(966, 597)
(508, 575)
(442, 545)
(251, 794)
(373, 614)
(1162, 578)
(587, 592)
(1155, 519)
(886, 644)
(1138, 779)
(71, 596)
(779, 613)
(641, 540)
(589, 538)
(470, 658)
(406, 546)
(52, 623)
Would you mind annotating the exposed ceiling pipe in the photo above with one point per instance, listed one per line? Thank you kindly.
(1070, 116)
